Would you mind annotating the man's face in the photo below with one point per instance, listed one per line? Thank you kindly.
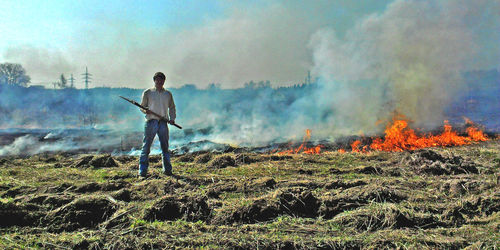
(159, 82)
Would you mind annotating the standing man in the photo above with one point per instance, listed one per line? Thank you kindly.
(160, 101)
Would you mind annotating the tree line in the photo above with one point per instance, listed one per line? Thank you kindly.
(15, 74)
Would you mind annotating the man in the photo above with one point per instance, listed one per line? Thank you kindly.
(160, 101)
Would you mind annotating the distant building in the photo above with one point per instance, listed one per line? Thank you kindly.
(36, 87)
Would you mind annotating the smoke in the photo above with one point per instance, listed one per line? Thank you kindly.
(19, 146)
(42, 65)
(248, 40)
(35, 141)
(267, 44)
(30, 145)
(251, 44)
(408, 59)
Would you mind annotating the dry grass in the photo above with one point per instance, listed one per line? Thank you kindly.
(442, 198)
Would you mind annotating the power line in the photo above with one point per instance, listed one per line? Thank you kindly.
(87, 78)
(72, 79)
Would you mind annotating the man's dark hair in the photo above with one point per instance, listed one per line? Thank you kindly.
(159, 75)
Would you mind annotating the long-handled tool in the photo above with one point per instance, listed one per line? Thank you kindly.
(142, 107)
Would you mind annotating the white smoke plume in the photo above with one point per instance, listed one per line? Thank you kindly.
(29, 145)
(408, 59)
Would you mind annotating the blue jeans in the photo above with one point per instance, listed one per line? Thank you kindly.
(151, 128)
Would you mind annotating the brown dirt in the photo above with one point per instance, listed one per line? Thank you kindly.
(85, 212)
(105, 161)
(122, 195)
(84, 161)
(93, 187)
(384, 217)
(426, 161)
(173, 208)
(49, 200)
(17, 191)
(249, 186)
(292, 201)
(464, 211)
(125, 158)
(332, 206)
(260, 210)
(155, 158)
(186, 158)
(344, 184)
(13, 214)
(4, 162)
(368, 170)
(247, 158)
(151, 189)
(222, 161)
(203, 158)
(373, 193)
(264, 182)
(280, 157)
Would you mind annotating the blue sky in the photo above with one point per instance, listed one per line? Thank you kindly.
(54, 23)
(199, 42)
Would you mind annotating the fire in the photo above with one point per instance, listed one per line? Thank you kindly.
(399, 137)
(302, 148)
(476, 134)
(355, 146)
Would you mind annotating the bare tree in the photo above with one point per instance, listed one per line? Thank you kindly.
(14, 74)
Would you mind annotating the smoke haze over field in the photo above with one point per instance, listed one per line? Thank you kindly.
(232, 43)
(244, 41)
(407, 59)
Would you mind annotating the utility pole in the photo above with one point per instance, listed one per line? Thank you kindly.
(72, 81)
(87, 77)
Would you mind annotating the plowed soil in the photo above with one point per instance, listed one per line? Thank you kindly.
(423, 199)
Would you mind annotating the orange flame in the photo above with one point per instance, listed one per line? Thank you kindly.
(355, 146)
(399, 137)
(312, 151)
(302, 147)
(475, 134)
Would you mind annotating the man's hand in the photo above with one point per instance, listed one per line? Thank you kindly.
(145, 111)
(148, 112)
(172, 122)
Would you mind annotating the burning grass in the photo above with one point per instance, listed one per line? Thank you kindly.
(399, 137)
(445, 197)
(303, 148)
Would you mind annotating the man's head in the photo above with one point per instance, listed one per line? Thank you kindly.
(159, 79)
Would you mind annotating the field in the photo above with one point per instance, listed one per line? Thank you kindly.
(430, 198)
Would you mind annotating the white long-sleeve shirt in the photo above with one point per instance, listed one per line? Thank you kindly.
(159, 102)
